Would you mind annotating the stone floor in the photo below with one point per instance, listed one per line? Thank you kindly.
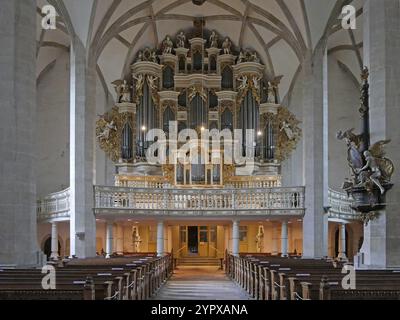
(200, 283)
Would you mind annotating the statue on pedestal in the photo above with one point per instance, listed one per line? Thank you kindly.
(226, 46)
(168, 45)
(213, 40)
(255, 58)
(123, 91)
(181, 40)
(260, 239)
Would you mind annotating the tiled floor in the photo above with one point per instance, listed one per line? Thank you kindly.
(200, 283)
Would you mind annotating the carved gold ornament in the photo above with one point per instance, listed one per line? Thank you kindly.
(249, 82)
(286, 126)
(109, 132)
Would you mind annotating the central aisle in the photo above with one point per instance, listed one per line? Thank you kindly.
(200, 283)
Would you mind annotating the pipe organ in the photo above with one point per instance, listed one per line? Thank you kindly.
(201, 83)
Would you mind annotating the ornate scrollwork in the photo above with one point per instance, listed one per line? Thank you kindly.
(194, 90)
(289, 133)
(109, 132)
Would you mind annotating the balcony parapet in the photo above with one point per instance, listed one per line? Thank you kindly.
(54, 207)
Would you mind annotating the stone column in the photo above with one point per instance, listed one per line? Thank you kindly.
(120, 238)
(18, 234)
(342, 242)
(284, 239)
(274, 239)
(235, 238)
(382, 51)
(82, 135)
(109, 239)
(160, 238)
(54, 241)
(314, 75)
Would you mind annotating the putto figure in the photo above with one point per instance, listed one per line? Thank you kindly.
(181, 40)
(105, 134)
(168, 45)
(226, 46)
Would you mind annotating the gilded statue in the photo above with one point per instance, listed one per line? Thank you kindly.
(151, 80)
(139, 84)
(193, 91)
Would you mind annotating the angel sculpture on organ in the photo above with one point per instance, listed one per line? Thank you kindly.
(243, 83)
(377, 169)
(288, 130)
(108, 127)
(151, 80)
(139, 83)
(123, 91)
(193, 91)
(256, 82)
